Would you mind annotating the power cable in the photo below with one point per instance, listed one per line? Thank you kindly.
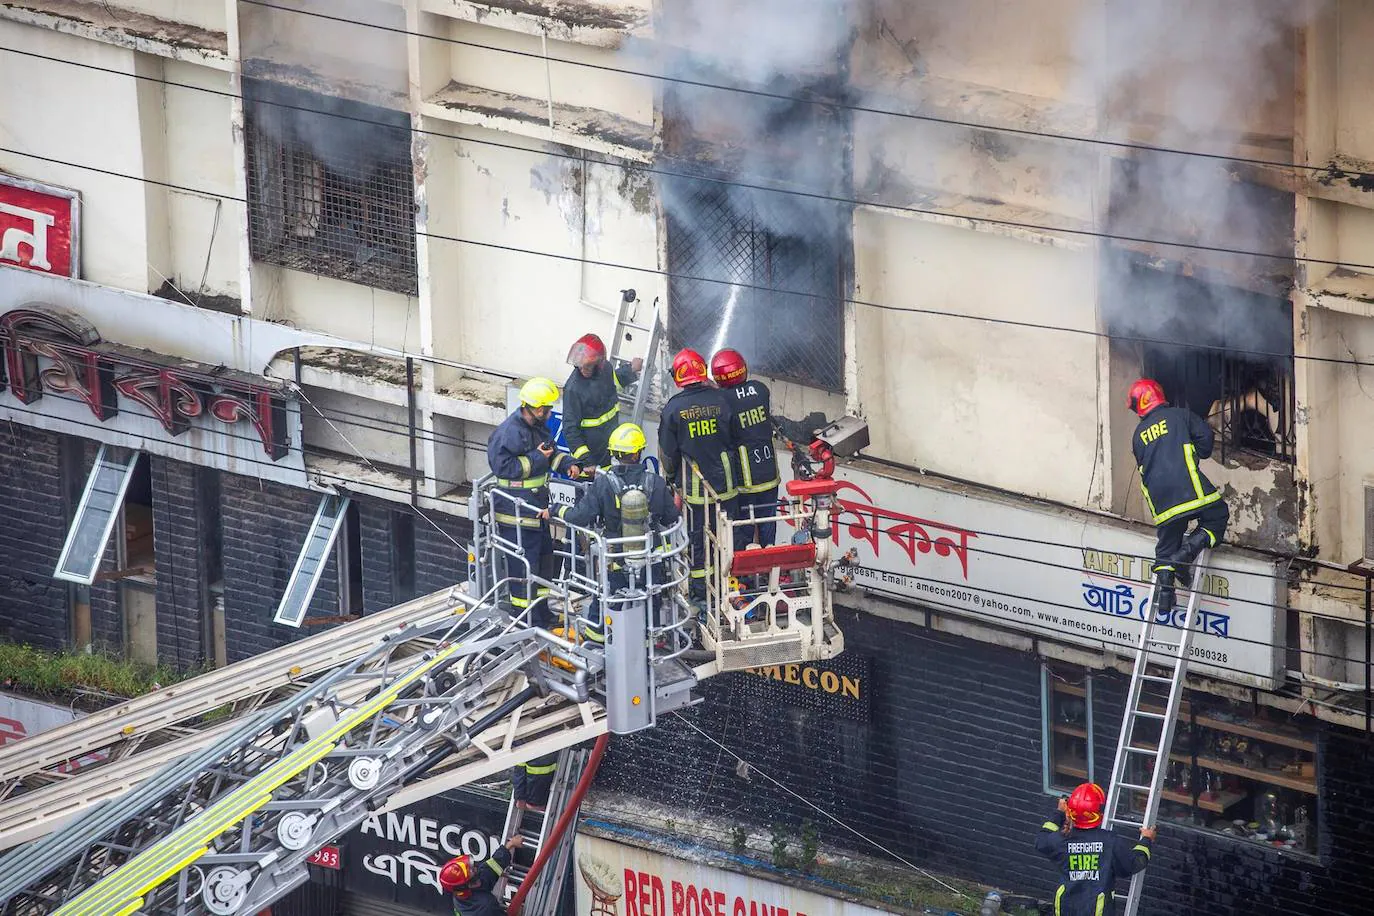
(727, 182)
(819, 101)
(817, 808)
(912, 310)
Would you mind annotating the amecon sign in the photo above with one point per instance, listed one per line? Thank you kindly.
(1065, 576)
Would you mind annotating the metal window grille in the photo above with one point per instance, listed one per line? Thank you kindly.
(1369, 523)
(330, 186)
(95, 517)
(305, 577)
(781, 299)
(1249, 402)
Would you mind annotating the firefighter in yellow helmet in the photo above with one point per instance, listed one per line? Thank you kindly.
(521, 454)
(608, 503)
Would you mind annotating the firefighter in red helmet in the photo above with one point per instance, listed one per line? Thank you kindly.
(697, 431)
(1090, 858)
(591, 400)
(1168, 444)
(756, 463)
(471, 884)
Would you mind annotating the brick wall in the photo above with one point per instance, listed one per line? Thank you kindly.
(264, 526)
(947, 773)
(34, 607)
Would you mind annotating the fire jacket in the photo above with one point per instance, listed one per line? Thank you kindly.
(480, 900)
(1091, 862)
(756, 469)
(531, 781)
(601, 501)
(698, 426)
(521, 469)
(1168, 444)
(591, 411)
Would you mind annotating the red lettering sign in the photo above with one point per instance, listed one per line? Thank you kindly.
(39, 227)
(326, 856)
(11, 730)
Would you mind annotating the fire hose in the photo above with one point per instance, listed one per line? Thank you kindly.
(551, 842)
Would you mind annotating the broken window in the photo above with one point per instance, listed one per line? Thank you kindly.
(305, 576)
(1223, 352)
(96, 515)
(330, 186)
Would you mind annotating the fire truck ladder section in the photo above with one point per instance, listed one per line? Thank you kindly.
(534, 825)
(1142, 759)
(460, 686)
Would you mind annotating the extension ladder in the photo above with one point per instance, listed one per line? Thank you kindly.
(535, 826)
(627, 331)
(1134, 754)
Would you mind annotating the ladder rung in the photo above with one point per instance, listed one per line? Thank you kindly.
(1127, 785)
(1152, 751)
(1157, 679)
(1127, 822)
(1150, 715)
(637, 327)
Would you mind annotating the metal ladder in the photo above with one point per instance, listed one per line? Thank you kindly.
(627, 332)
(534, 826)
(1153, 655)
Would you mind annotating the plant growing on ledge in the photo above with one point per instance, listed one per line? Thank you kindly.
(55, 674)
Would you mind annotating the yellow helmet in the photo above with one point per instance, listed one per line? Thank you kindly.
(627, 439)
(539, 392)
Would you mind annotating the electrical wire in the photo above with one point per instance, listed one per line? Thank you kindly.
(818, 196)
(818, 809)
(912, 310)
(819, 101)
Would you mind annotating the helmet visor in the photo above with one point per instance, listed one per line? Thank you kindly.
(582, 353)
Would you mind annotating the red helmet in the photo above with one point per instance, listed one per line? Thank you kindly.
(587, 347)
(456, 875)
(729, 368)
(1146, 395)
(688, 367)
(1085, 806)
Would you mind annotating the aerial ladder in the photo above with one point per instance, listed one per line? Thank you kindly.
(223, 815)
(1158, 679)
(536, 826)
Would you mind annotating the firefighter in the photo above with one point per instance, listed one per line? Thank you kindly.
(697, 433)
(471, 885)
(1090, 858)
(1168, 444)
(521, 453)
(591, 400)
(606, 502)
(756, 464)
(531, 781)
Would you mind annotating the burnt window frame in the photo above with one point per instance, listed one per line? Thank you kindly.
(315, 204)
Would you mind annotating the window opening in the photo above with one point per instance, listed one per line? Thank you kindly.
(328, 192)
(305, 576)
(350, 563)
(1067, 730)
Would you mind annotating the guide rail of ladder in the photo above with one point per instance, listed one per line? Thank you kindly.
(1142, 757)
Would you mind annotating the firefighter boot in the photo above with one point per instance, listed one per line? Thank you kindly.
(1164, 592)
(1193, 544)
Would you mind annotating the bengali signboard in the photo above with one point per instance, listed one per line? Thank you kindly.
(40, 227)
(1055, 574)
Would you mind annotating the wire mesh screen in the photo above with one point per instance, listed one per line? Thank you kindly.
(754, 272)
(330, 186)
(1248, 402)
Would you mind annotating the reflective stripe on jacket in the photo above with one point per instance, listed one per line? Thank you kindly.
(591, 410)
(1168, 444)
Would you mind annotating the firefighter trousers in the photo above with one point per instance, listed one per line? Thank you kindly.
(1211, 519)
(756, 505)
(538, 547)
(697, 522)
